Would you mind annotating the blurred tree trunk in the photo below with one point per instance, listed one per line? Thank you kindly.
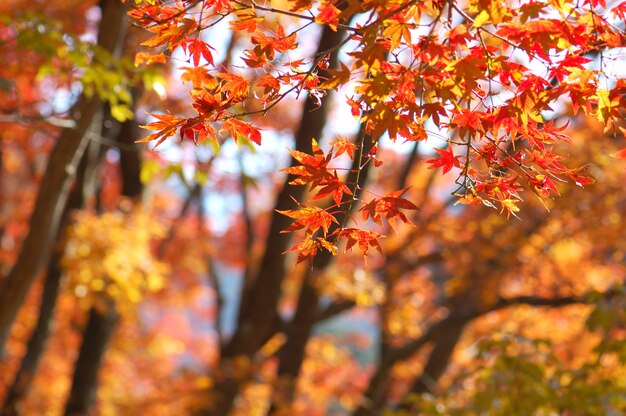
(36, 344)
(3, 223)
(46, 216)
(475, 299)
(55, 184)
(258, 315)
(96, 336)
(102, 322)
(299, 330)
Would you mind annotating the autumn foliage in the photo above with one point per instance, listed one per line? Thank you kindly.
(482, 75)
(303, 207)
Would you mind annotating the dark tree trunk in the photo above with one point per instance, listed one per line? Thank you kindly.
(96, 335)
(444, 332)
(130, 161)
(45, 219)
(292, 354)
(55, 184)
(258, 315)
(101, 324)
(37, 341)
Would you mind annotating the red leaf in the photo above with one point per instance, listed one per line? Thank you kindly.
(197, 49)
(446, 160)
(579, 176)
(328, 14)
(241, 128)
(333, 187)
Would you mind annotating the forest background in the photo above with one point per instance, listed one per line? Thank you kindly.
(298, 207)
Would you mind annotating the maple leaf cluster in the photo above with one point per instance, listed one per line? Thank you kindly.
(324, 182)
(484, 77)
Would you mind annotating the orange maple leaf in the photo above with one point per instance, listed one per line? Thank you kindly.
(364, 239)
(149, 59)
(235, 85)
(246, 22)
(308, 248)
(311, 218)
(388, 207)
(166, 126)
(342, 145)
(314, 167)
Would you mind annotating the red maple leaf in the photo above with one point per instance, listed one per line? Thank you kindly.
(238, 128)
(446, 160)
(197, 49)
(196, 130)
(468, 121)
(328, 14)
(333, 187)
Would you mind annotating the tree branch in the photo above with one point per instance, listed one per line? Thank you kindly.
(380, 377)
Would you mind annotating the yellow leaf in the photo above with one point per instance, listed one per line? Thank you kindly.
(121, 113)
(482, 18)
(397, 31)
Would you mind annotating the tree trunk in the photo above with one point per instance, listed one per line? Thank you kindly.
(37, 341)
(46, 216)
(299, 331)
(258, 316)
(97, 333)
(375, 394)
(101, 325)
(54, 188)
(130, 161)
(292, 354)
